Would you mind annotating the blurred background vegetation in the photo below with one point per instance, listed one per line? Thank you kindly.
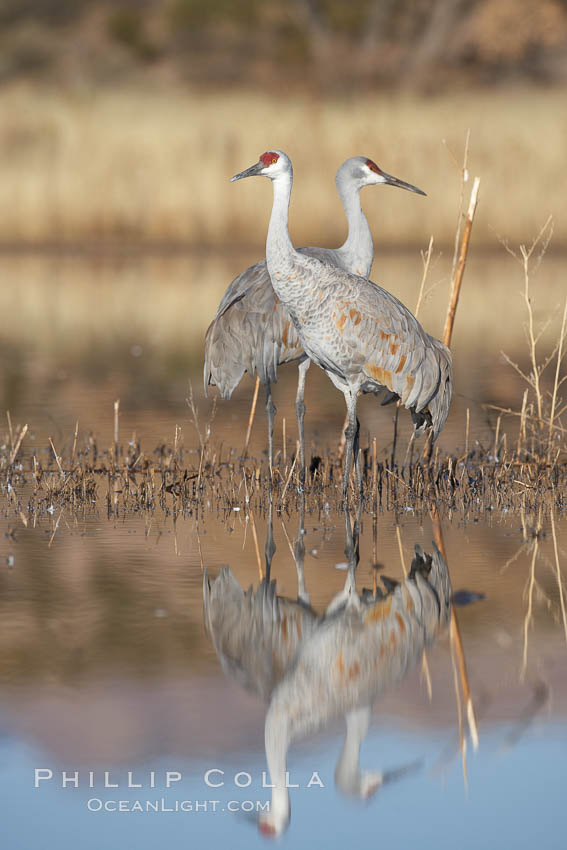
(122, 120)
(319, 44)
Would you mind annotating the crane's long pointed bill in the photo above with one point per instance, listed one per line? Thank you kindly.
(393, 181)
(255, 169)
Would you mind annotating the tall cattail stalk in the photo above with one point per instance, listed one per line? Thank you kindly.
(458, 277)
(455, 634)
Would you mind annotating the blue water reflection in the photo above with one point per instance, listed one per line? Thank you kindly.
(514, 799)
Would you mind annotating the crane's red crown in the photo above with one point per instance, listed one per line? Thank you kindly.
(372, 166)
(269, 158)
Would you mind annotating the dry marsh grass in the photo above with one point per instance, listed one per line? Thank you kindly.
(129, 477)
(154, 165)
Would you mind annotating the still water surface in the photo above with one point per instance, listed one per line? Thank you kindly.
(105, 665)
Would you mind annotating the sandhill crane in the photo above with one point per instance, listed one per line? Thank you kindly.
(351, 659)
(363, 337)
(252, 330)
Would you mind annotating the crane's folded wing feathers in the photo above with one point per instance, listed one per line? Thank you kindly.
(252, 330)
(378, 342)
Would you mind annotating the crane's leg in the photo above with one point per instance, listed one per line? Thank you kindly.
(348, 595)
(348, 776)
(300, 411)
(270, 413)
(270, 543)
(351, 434)
(302, 593)
(356, 452)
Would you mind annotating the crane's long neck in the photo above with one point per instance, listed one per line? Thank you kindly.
(281, 256)
(357, 252)
(277, 741)
(296, 710)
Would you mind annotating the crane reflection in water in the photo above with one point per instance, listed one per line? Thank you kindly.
(311, 668)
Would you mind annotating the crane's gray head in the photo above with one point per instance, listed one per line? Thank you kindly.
(272, 164)
(275, 823)
(364, 172)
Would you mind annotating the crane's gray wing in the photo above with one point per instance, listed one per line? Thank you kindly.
(255, 635)
(357, 656)
(358, 331)
(256, 275)
(252, 331)
(399, 355)
(229, 345)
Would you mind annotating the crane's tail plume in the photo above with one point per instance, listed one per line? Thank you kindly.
(434, 570)
(439, 404)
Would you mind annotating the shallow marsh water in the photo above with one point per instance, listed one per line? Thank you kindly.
(105, 665)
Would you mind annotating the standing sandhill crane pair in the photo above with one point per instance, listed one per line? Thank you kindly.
(323, 308)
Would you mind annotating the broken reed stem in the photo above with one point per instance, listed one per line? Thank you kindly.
(529, 614)
(399, 537)
(457, 279)
(286, 535)
(252, 413)
(522, 431)
(455, 637)
(559, 577)
(57, 461)
(374, 468)
(256, 547)
(16, 448)
(289, 478)
(556, 380)
(464, 172)
(55, 529)
(426, 675)
(462, 739)
(194, 415)
(200, 549)
(9, 418)
(531, 335)
(497, 438)
(426, 258)
(74, 449)
(116, 414)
